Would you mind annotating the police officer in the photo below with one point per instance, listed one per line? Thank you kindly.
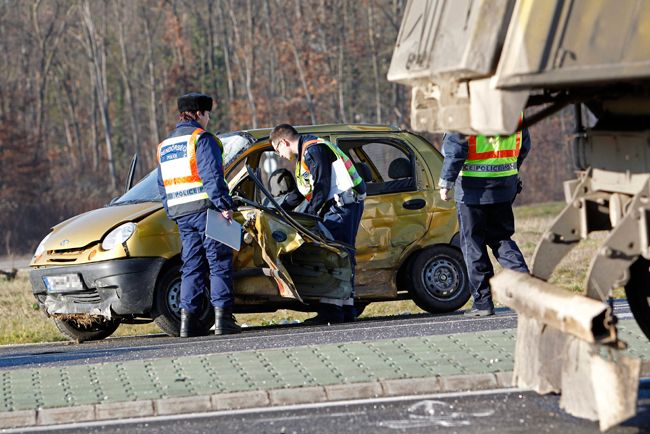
(339, 201)
(191, 180)
(484, 174)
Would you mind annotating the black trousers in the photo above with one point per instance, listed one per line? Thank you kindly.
(483, 226)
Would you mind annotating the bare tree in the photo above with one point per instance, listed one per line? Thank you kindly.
(151, 69)
(126, 75)
(48, 36)
(296, 55)
(242, 48)
(373, 56)
(97, 53)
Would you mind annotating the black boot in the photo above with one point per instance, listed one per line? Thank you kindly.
(349, 313)
(327, 314)
(225, 322)
(188, 325)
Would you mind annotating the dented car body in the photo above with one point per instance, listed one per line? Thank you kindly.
(120, 263)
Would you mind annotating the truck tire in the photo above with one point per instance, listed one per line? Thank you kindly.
(637, 291)
(167, 303)
(439, 282)
(96, 330)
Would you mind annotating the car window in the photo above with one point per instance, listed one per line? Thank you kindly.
(270, 162)
(382, 155)
(389, 167)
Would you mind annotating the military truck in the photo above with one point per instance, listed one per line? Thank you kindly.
(475, 66)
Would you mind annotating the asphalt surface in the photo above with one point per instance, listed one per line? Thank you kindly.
(157, 373)
(253, 338)
(256, 338)
(500, 411)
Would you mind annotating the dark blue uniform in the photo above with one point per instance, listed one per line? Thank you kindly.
(485, 215)
(199, 253)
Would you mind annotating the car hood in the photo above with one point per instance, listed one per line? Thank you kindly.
(90, 227)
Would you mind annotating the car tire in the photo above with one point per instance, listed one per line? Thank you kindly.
(637, 291)
(439, 281)
(98, 329)
(167, 307)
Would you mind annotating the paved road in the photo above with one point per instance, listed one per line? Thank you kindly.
(255, 338)
(499, 411)
(279, 364)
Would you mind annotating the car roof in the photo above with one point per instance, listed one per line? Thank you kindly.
(260, 133)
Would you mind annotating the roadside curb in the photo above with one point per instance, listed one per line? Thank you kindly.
(254, 398)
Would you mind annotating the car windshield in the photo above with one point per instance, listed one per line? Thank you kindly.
(147, 189)
(144, 191)
(234, 144)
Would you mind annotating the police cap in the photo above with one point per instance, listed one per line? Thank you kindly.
(194, 102)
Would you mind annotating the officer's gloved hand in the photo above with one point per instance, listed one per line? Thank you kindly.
(520, 185)
(445, 194)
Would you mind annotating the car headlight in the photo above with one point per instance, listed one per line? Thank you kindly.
(118, 235)
(41, 246)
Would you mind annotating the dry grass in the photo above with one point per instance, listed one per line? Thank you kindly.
(22, 322)
(531, 223)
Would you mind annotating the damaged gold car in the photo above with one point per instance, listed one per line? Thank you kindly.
(121, 263)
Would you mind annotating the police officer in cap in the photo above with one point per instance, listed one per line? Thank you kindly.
(483, 171)
(191, 180)
(338, 201)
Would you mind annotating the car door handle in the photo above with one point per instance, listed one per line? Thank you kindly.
(414, 204)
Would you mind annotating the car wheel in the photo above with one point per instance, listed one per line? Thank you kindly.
(637, 291)
(439, 280)
(167, 303)
(94, 330)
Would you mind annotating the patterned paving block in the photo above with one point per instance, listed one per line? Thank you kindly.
(309, 366)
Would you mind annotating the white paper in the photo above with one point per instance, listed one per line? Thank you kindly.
(223, 230)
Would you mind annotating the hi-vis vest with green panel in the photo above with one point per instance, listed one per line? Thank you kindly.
(305, 181)
(183, 185)
(492, 156)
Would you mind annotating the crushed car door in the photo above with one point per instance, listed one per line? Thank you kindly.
(395, 211)
(297, 257)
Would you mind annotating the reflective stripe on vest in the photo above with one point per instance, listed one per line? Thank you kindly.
(305, 181)
(492, 157)
(180, 174)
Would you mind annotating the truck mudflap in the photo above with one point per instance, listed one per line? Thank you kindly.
(567, 343)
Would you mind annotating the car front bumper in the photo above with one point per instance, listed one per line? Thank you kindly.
(118, 287)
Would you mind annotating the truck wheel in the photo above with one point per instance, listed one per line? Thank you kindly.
(97, 329)
(167, 304)
(439, 282)
(637, 291)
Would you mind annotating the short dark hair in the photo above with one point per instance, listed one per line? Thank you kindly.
(189, 116)
(283, 131)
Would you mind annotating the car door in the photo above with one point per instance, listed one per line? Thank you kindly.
(396, 209)
(283, 251)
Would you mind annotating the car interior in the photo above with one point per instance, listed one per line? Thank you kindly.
(386, 167)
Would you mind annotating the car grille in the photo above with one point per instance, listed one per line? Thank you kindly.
(64, 255)
(86, 297)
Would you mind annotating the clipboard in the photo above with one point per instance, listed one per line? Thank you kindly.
(223, 230)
